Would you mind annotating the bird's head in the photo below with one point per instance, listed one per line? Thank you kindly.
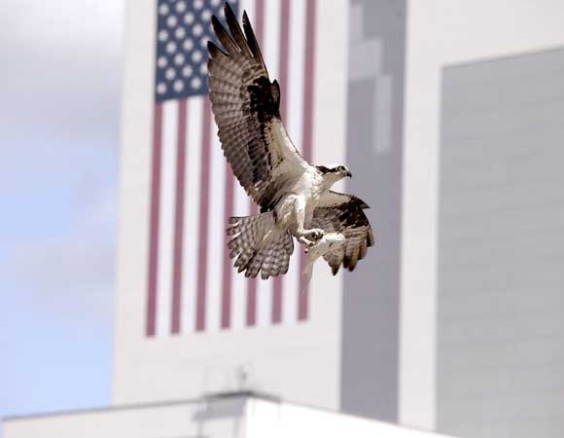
(332, 174)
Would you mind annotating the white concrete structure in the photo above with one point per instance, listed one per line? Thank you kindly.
(442, 34)
(188, 364)
(235, 416)
(416, 336)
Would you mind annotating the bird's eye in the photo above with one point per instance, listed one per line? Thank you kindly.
(341, 168)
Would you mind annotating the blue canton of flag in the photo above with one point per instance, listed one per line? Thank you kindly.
(183, 31)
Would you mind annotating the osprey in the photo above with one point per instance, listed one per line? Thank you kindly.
(294, 197)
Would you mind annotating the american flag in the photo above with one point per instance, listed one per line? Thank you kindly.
(191, 285)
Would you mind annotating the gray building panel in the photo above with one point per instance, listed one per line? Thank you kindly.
(456, 333)
(543, 63)
(370, 338)
(500, 351)
(506, 122)
(483, 149)
(468, 96)
(523, 354)
(461, 304)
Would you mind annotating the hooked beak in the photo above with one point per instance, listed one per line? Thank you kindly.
(348, 173)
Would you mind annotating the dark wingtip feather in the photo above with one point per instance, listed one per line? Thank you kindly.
(229, 14)
(353, 264)
(362, 204)
(217, 26)
(223, 36)
(236, 32)
(216, 23)
(370, 238)
(228, 9)
(213, 50)
(251, 38)
(335, 269)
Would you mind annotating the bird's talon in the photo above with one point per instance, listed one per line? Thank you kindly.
(317, 234)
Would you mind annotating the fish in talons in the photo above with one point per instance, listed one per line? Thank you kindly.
(330, 244)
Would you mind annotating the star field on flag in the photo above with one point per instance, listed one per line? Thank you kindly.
(183, 30)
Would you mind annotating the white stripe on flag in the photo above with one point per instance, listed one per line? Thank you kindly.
(216, 233)
(239, 281)
(294, 117)
(270, 53)
(166, 221)
(241, 208)
(190, 261)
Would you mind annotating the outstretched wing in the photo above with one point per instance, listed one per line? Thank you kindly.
(342, 213)
(246, 108)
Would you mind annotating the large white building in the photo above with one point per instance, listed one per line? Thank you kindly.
(234, 416)
(450, 114)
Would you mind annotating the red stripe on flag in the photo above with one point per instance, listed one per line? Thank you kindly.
(252, 302)
(178, 218)
(283, 73)
(204, 214)
(259, 21)
(307, 141)
(229, 206)
(252, 283)
(154, 222)
(283, 54)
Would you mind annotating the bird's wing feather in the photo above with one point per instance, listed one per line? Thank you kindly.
(343, 213)
(246, 105)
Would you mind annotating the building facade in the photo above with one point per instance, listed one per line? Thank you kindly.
(450, 116)
(480, 253)
(335, 346)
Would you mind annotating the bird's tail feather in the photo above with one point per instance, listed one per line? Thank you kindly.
(259, 246)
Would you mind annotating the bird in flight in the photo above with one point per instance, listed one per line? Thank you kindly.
(295, 197)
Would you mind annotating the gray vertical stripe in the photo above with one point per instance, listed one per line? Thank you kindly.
(369, 372)
(501, 248)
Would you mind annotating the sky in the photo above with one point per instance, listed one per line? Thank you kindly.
(60, 87)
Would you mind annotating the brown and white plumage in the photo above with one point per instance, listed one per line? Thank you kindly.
(293, 195)
(253, 252)
(342, 213)
(246, 106)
